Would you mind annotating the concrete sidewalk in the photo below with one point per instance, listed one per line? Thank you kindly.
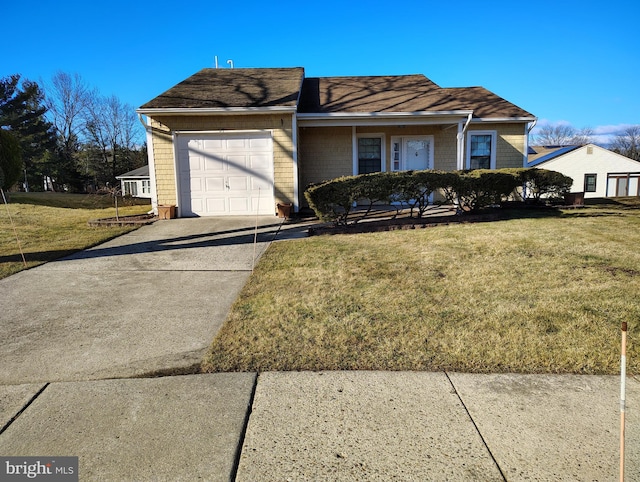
(329, 426)
(151, 301)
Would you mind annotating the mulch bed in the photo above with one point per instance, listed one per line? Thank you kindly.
(136, 220)
(400, 223)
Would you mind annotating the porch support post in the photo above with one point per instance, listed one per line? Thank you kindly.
(354, 149)
(296, 179)
(459, 147)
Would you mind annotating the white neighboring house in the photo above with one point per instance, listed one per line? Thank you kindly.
(596, 171)
(136, 183)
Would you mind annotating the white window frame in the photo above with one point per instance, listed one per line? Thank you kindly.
(146, 186)
(494, 137)
(383, 149)
(403, 148)
(131, 188)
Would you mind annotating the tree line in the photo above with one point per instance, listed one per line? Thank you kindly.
(626, 142)
(65, 135)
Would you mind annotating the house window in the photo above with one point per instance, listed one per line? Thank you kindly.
(130, 188)
(369, 154)
(481, 150)
(590, 182)
(146, 186)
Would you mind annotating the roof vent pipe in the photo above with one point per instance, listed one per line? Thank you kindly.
(215, 59)
(230, 62)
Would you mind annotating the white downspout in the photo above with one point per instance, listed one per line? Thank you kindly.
(525, 160)
(460, 147)
(152, 165)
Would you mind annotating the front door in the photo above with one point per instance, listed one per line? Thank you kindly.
(413, 153)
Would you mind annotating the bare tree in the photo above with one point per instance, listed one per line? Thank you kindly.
(628, 142)
(562, 135)
(110, 129)
(583, 136)
(68, 98)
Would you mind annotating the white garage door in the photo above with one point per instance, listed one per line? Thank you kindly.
(225, 174)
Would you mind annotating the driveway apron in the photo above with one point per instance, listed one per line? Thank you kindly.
(147, 302)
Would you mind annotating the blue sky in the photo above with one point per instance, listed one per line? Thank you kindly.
(568, 61)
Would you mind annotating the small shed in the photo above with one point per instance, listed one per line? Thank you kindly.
(136, 183)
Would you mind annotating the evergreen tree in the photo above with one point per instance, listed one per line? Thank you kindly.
(10, 159)
(22, 112)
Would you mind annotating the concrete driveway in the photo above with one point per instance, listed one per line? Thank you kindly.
(146, 302)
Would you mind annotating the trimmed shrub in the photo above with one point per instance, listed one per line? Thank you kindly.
(415, 187)
(545, 183)
(536, 183)
(333, 200)
(469, 190)
(377, 187)
(481, 188)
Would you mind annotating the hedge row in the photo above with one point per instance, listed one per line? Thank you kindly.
(469, 190)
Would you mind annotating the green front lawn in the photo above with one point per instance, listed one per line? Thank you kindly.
(532, 294)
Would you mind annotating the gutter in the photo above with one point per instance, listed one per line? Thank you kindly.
(216, 110)
(380, 118)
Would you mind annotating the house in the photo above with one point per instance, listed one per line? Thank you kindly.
(136, 183)
(239, 141)
(596, 171)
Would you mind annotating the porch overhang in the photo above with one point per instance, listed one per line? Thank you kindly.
(349, 119)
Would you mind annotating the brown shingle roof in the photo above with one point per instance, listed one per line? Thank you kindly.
(406, 93)
(483, 102)
(280, 87)
(233, 88)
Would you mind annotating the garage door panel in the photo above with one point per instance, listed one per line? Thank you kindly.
(262, 184)
(196, 205)
(226, 174)
(213, 144)
(238, 184)
(237, 144)
(214, 163)
(260, 205)
(215, 184)
(237, 163)
(260, 143)
(239, 205)
(196, 185)
(195, 162)
(216, 205)
(260, 162)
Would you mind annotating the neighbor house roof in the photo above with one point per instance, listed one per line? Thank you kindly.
(540, 154)
(221, 89)
(140, 172)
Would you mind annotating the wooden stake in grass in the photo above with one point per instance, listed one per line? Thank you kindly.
(15, 232)
(623, 377)
(255, 233)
